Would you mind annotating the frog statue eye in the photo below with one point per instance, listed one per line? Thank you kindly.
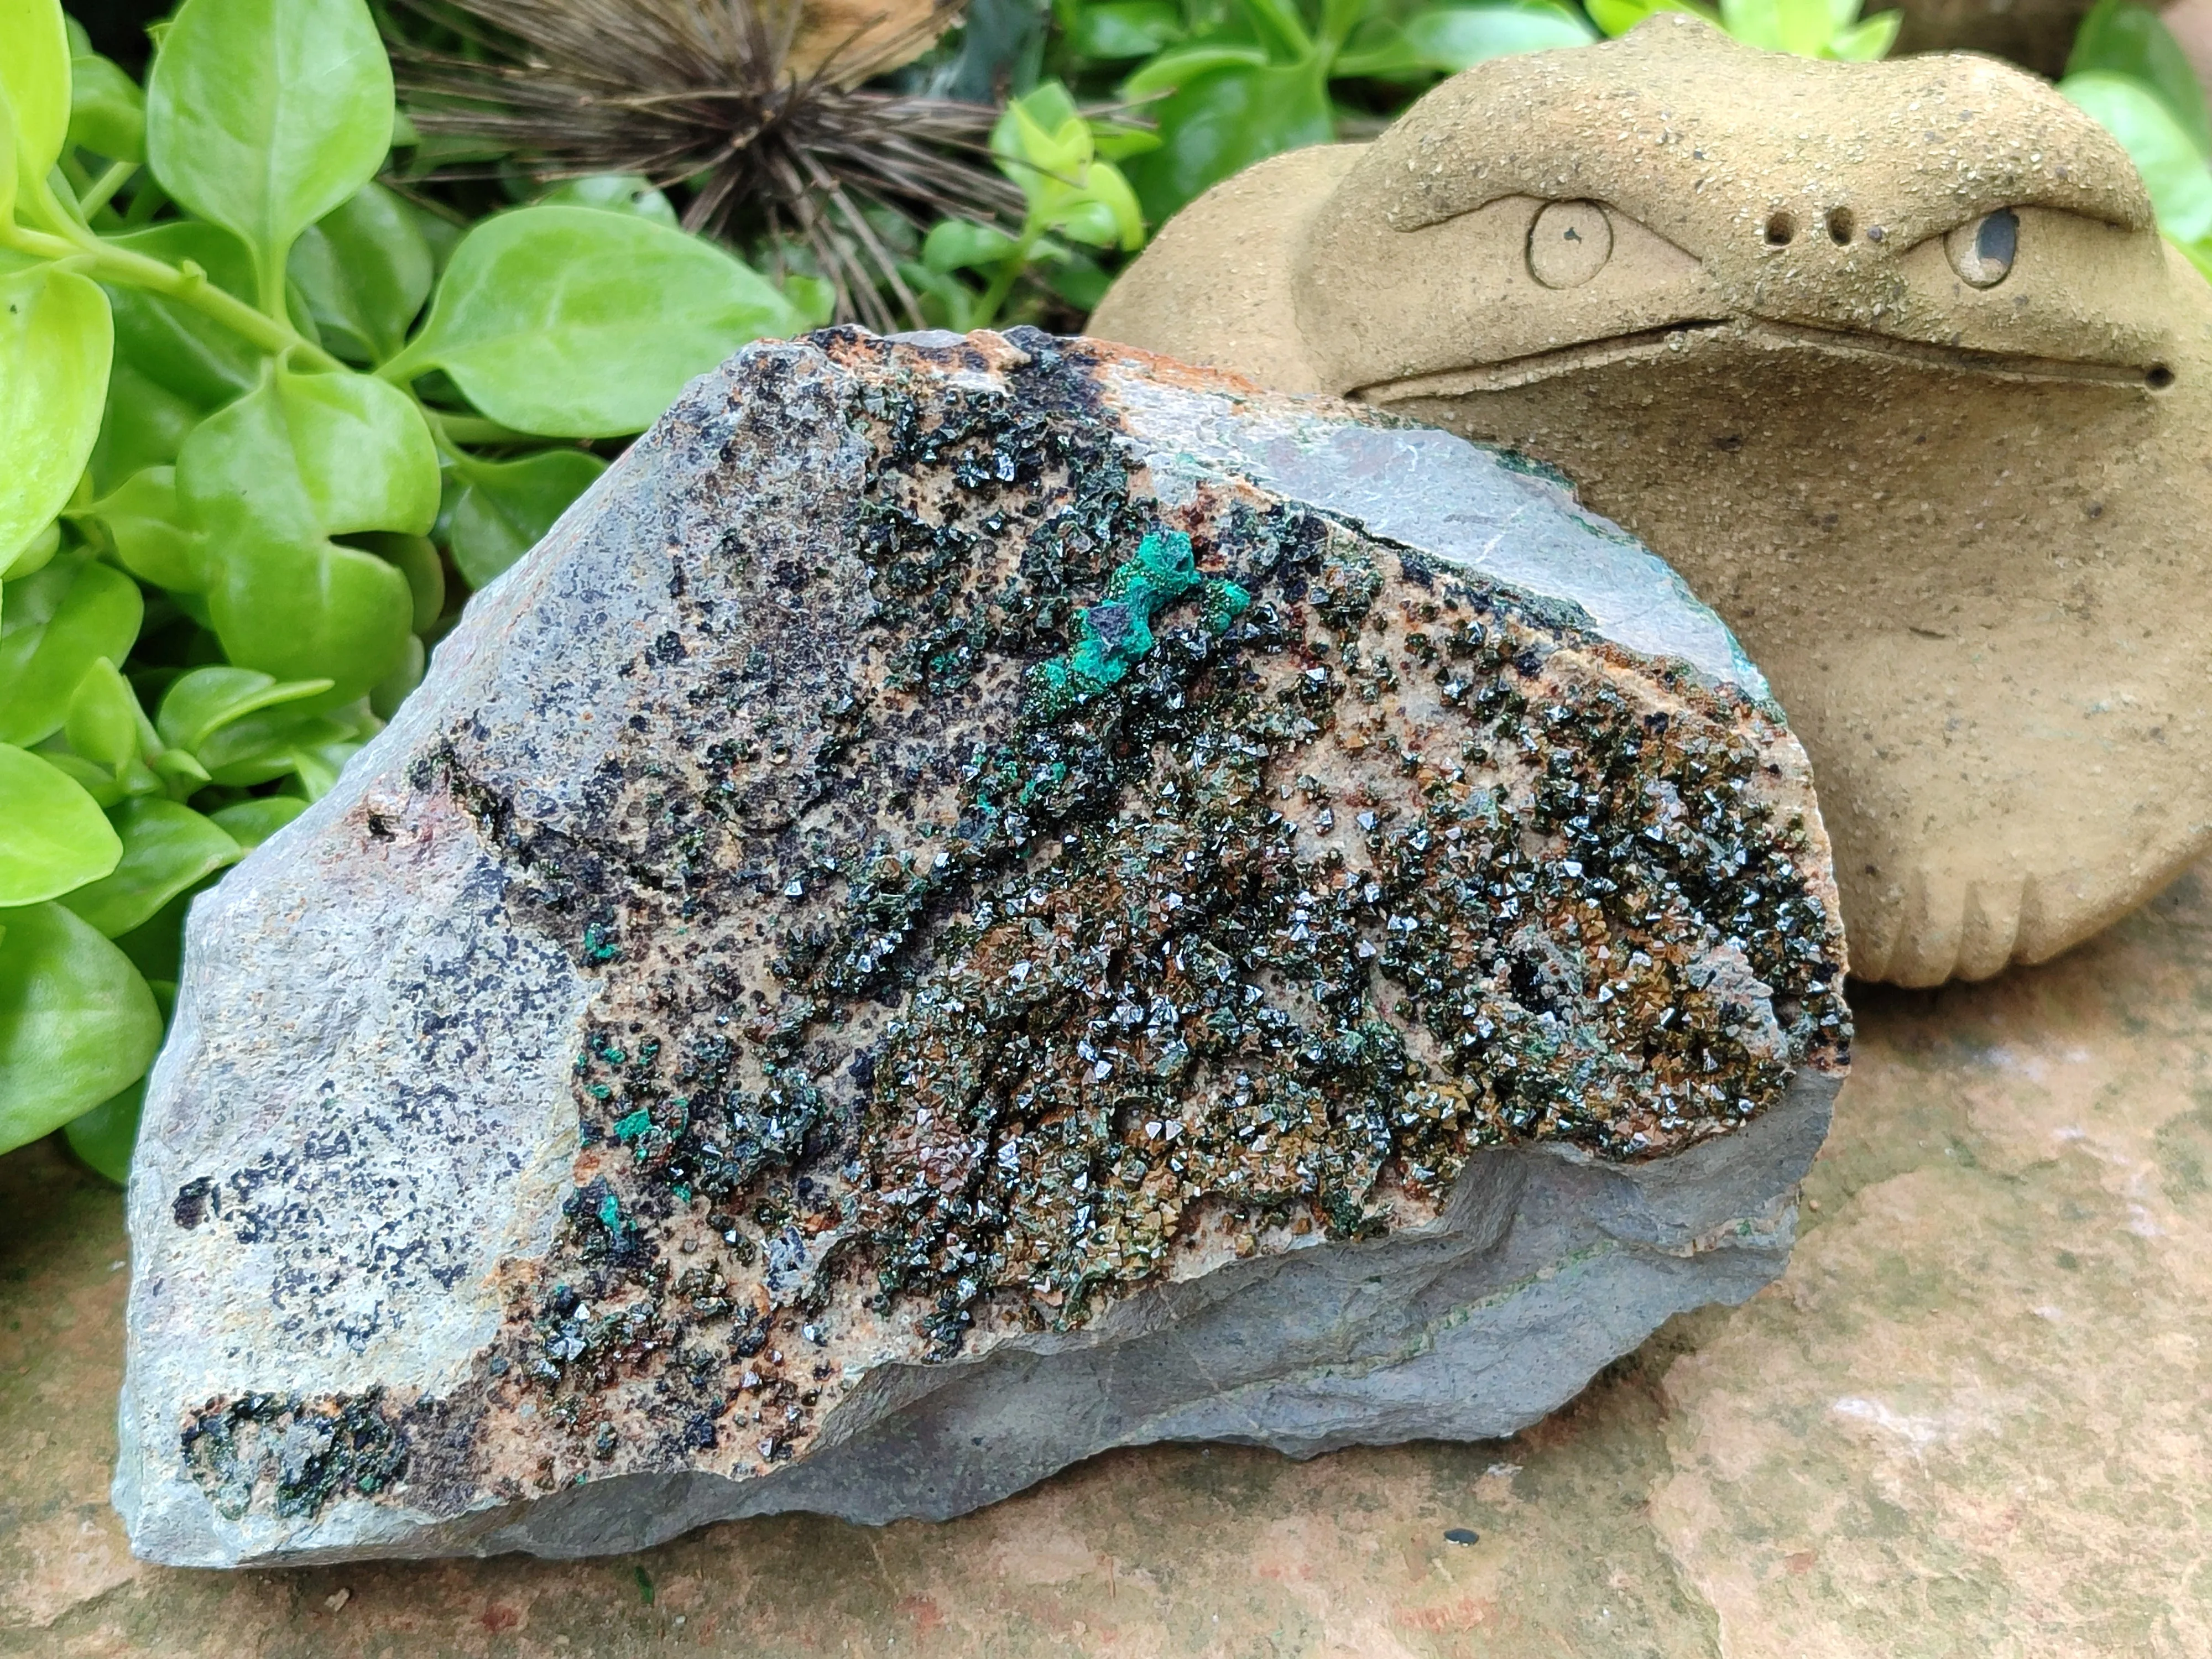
(1568, 243)
(1982, 251)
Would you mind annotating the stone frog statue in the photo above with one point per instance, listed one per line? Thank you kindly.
(1888, 360)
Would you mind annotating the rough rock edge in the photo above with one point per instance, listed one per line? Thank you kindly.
(1548, 1265)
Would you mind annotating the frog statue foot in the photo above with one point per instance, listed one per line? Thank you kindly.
(1887, 359)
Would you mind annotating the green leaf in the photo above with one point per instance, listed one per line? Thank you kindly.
(179, 349)
(1171, 70)
(264, 115)
(1616, 17)
(961, 245)
(946, 301)
(53, 836)
(269, 482)
(1042, 128)
(617, 192)
(365, 270)
(107, 113)
(36, 554)
(250, 823)
(201, 702)
(1113, 141)
(1106, 186)
(105, 1136)
(143, 519)
(103, 722)
(1127, 28)
(318, 765)
(77, 1023)
(53, 626)
(14, 259)
(268, 744)
(1080, 281)
(34, 75)
(395, 688)
(1758, 23)
(505, 507)
(145, 426)
(1452, 38)
(813, 298)
(2120, 38)
(1864, 43)
(167, 847)
(1220, 123)
(180, 773)
(2173, 169)
(415, 558)
(56, 342)
(578, 323)
(98, 781)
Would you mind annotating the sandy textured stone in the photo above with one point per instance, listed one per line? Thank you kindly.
(978, 902)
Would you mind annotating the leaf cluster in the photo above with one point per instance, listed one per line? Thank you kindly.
(2129, 71)
(263, 422)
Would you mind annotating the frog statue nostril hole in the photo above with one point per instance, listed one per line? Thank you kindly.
(1568, 243)
(1841, 226)
(1781, 229)
(1983, 250)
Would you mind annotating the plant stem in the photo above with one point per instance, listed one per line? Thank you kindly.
(146, 201)
(104, 187)
(1002, 282)
(475, 429)
(104, 262)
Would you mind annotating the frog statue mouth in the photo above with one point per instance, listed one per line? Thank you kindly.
(1752, 338)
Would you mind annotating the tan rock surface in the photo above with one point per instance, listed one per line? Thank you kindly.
(1886, 359)
(1971, 1419)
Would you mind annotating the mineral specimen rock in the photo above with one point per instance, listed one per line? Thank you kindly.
(977, 901)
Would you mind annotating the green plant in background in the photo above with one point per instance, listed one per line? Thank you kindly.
(254, 409)
(2129, 71)
(1073, 195)
(1807, 28)
(1229, 86)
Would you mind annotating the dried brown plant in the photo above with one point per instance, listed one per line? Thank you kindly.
(709, 93)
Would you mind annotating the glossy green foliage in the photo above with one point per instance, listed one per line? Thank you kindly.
(2123, 39)
(1256, 77)
(54, 625)
(264, 115)
(365, 271)
(78, 1022)
(1809, 28)
(1073, 195)
(55, 341)
(269, 481)
(52, 837)
(2129, 71)
(505, 507)
(167, 847)
(105, 1136)
(212, 504)
(34, 79)
(618, 192)
(107, 111)
(579, 323)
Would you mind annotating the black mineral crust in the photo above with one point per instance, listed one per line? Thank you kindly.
(1116, 880)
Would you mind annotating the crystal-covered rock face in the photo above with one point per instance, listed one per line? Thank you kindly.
(976, 900)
